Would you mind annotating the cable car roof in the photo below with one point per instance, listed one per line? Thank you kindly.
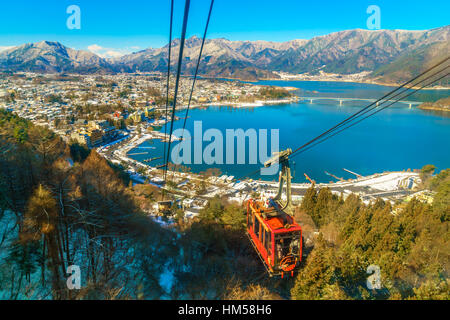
(275, 224)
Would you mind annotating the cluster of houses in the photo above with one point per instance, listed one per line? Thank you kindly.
(94, 133)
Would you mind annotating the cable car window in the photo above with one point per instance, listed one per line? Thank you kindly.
(256, 229)
(294, 246)
(268, 242)
(280, 249)
(284, 246)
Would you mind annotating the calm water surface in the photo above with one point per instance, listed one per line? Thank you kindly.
(397, 138)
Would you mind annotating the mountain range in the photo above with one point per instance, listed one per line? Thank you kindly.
(388, 56)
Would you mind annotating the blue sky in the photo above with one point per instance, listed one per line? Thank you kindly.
(131, 25)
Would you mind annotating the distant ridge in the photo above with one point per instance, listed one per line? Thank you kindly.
(51, 57)
(389, 56)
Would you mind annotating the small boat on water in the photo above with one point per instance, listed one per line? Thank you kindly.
(137, 153)
(152, 159)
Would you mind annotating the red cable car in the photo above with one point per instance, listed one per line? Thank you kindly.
(277, 240)
(272, 230)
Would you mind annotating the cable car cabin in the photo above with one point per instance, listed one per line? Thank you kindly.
(276, 237)
(272, 230)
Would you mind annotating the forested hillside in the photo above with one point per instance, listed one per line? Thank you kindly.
(410, 245)
(58, 212)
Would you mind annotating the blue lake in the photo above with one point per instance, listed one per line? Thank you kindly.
(397, 138)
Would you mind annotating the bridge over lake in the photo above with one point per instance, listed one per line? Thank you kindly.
(342, 100)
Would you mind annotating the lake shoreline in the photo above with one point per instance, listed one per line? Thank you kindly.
(319, 79)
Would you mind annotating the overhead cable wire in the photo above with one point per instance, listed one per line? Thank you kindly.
(196, 73)
(168, 74)
(379, 110)
(370, 105)
(177, 82)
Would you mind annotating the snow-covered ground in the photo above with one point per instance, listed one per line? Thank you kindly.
(386, 182)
